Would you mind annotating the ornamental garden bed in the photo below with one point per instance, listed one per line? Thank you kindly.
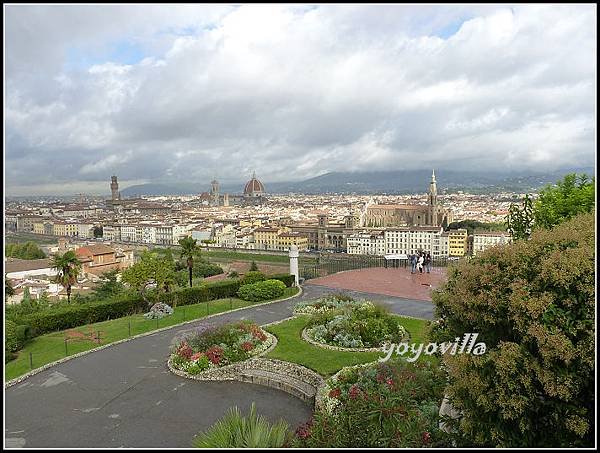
(355, 327)
(395, 404)
(216, 347)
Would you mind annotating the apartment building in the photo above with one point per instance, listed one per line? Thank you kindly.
(366, 243)
(484, 240)
(457, 242)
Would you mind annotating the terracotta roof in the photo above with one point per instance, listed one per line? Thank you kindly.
(254, 185)
(17, 265)
(99, 249)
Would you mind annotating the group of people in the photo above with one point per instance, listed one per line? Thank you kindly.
(420, 260)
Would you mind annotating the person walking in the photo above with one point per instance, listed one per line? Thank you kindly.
(420, 263)
(413, 263)
(428, 262)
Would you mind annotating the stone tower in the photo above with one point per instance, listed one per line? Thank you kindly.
(214, 192)
(114, 188)
(433, 202)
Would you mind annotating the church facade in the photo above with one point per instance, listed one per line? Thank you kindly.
(395, 215)
(254, 195)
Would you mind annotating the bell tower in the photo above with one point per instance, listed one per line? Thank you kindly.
(433, 202)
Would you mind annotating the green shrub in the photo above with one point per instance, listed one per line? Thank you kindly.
(383, 405)
(268, 289)
(252, 277)
(206, 270)
(237, 431)
(16, 336)
(533, 305)
(288, 279)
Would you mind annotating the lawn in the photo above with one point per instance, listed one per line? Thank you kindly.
(50, 347)
(292, 348)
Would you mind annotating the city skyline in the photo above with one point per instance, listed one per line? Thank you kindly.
(155, 93)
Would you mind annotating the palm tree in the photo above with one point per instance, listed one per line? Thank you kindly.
(189, 249)
(67, 267)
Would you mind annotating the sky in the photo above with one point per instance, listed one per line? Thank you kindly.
(186, 93)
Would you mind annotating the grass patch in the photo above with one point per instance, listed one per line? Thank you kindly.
(50, 347)
(292, 348)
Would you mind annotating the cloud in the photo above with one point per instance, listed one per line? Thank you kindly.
(188, 92)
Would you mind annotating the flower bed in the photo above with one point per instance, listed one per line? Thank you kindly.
(159, 311)
(325, 304)
(361, 327)
(395, 404)
(219, 346)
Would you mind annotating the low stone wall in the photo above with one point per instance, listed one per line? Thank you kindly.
(278, 374)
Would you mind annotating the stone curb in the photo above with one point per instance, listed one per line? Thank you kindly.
(20, 379)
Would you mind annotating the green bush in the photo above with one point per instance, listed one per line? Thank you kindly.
(288, 279)
(237, 431)
(382, 405)
(533, 305)
(253, 277)
(16, 336)
(268, 289)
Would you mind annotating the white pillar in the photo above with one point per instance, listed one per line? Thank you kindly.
(294, 262)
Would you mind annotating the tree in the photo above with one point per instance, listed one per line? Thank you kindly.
(189, 249)
(519, 221)
(253, 267)
(98, 231)
(8, 289)
(109, 287)
(572, 195)
(533, 304)
(152, 269)
(25, 251)
(68, 267)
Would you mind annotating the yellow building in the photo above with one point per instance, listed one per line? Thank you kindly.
(286, 240)
(267, 238)
(65, 229)
(251, 223)
(457, 242)
(38, 227)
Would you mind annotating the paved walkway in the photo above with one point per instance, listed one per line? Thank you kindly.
(398, 282)
(124, 396)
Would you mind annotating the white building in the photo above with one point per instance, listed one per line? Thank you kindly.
(366, 243)
(485, 240)
(85, 230)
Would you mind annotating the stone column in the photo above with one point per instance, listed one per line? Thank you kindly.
(294, 263)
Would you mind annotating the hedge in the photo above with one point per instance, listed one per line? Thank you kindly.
(268, 289)
(288, 279)
(16, 336)
(70, 316)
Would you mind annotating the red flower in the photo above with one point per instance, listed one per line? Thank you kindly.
(380, 378)
(215, 354)
(354, 392)
(426, 437)
(303, 431)
(335, 393)
(390, 382)
(196, 356)
(184, 350)
(257, 333)
(247, 346)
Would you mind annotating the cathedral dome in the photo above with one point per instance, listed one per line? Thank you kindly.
(254, 187)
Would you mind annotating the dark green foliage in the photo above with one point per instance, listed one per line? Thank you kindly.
(268, 289)
(16, 335)
(109, 287)
(253, 267)
(8, 289)
(533, 305)
(472, 225)
(98, 231)
(288, 279)
(386, 405)
(253, 277)
(24, 251)
(205, 269)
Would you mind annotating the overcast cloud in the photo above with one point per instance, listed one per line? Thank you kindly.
(184, 93)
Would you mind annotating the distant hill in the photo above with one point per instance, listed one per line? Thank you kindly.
(391, 182)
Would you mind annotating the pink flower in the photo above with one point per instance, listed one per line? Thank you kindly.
(426, 437)
(184, 350)
(215, 354)
(390, 382)
(354, 392)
